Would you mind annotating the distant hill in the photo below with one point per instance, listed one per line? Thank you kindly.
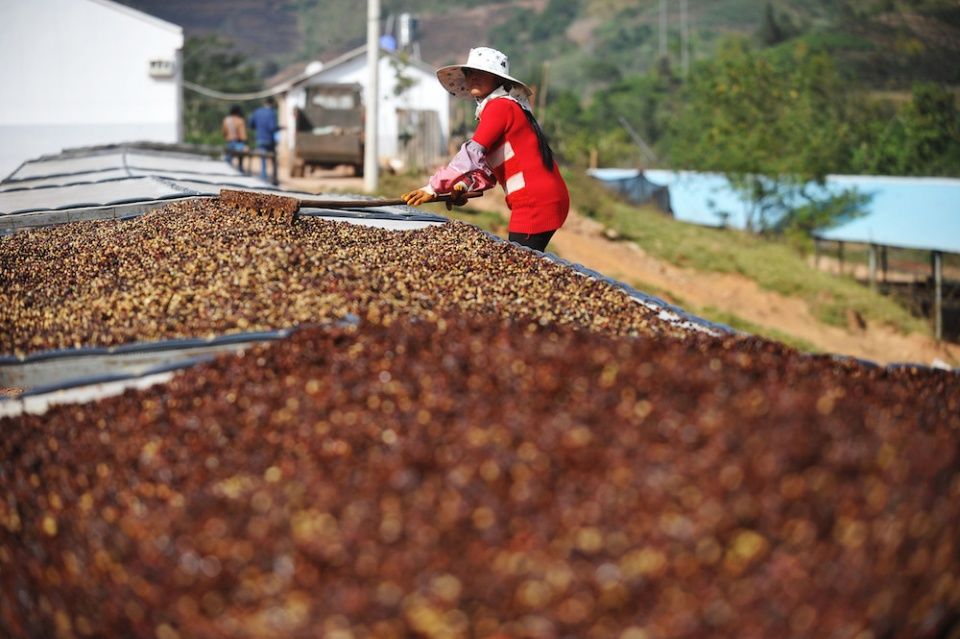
(262, 30)
(590, 43)
(284, 31)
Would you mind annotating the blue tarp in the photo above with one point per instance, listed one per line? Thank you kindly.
(907, 212)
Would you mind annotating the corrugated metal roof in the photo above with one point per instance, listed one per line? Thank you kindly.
(90, 194)
(130, 162)
(918, 213)
(908, 212)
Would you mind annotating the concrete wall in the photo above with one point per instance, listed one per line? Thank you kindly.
(77, 73)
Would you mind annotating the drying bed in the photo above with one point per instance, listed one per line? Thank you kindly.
(481, 477)
(198, 268)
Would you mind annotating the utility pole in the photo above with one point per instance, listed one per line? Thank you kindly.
(663, 29)
(371, 124)
(542, 98)
(684, 38)
(937, 258)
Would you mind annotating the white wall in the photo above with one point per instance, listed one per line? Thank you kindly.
(76, 73)
(425, 94)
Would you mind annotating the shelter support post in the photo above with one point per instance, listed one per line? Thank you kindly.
(872, 263)
(883, 262)
(542, 98)
(816, 253)
(937, 259)
(840, 256)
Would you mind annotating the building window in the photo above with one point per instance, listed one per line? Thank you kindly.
(161, 68)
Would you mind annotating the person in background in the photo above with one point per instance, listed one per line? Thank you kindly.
(234, 131)
(508, 147)
(264, 122)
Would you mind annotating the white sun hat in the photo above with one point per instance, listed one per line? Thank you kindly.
(480, 59)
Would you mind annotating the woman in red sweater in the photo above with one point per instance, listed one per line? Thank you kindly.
(508, 148)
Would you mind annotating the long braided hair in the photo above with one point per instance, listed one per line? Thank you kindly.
(546, 153)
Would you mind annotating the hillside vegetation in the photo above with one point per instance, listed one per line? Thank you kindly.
(888, 43)
(842, 86)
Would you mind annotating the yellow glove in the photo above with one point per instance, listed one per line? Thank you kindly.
(458, 197)
(418, 197)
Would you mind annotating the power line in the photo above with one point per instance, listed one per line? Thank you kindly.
(220, 95)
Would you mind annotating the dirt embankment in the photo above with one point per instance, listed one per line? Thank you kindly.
(582, 241)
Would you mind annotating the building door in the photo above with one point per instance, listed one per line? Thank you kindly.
(419, 139)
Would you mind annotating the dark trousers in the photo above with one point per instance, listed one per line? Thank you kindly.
(536, 241)
(267, 148)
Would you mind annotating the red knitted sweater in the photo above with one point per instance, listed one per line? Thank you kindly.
(537, 197)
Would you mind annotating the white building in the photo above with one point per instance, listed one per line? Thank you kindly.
(413, 105)
(84, 72)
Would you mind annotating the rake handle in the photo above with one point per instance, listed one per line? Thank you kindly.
(346, 204)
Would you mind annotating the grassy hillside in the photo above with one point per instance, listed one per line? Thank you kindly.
(773, 265)
(590, 43)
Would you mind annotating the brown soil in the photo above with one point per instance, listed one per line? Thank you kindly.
(582, 240)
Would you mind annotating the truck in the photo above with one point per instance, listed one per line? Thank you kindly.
(329, 129)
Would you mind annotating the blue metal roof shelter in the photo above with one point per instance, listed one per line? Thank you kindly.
(902, 212)
(917, 213)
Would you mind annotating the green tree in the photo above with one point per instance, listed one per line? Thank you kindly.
(555, 19)
(212, 62)
(773, 126)
(822, 211)
(331, 26)
(578, 127)
(564, 125)
(922, 139)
